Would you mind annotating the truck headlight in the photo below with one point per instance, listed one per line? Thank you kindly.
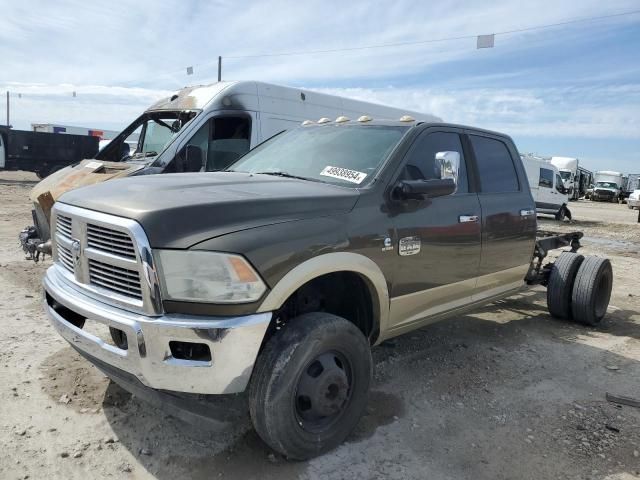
(208, 277)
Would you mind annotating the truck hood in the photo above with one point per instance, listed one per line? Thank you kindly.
(87, 172)
(180, 210)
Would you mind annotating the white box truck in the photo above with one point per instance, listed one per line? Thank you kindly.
(575, 178)
(608, 186)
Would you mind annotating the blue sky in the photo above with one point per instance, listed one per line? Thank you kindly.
(571, 91)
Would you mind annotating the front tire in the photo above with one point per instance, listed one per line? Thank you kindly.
(310, 385)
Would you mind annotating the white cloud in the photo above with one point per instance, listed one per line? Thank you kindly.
(593, 112)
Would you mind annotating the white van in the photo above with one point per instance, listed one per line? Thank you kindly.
(547, 187)
(222, 121)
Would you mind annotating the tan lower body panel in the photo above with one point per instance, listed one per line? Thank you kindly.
(417, 309)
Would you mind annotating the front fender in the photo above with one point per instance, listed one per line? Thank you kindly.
(331, 263)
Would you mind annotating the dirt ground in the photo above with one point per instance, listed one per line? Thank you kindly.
(505, 393)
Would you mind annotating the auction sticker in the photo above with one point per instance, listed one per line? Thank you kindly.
(352, 176)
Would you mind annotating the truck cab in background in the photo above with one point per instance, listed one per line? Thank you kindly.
(576, 179)
(608, 186)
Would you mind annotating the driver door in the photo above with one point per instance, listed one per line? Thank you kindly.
(437, 240)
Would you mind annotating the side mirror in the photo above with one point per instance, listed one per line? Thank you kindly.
(193, 158)
(431, 188)
(448, 164)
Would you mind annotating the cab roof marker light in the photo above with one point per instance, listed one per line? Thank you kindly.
(308, 122)
(365, 118)
(342, 119)
(324, 120)
(407, 118)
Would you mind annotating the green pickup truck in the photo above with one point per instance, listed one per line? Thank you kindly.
(278, 275)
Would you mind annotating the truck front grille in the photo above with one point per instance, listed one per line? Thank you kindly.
(107, 256)
(109, 240)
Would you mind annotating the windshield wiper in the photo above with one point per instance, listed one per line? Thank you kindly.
(287, 175)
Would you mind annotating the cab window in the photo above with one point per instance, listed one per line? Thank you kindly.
(495, 165)
(222, 141)
(546, 178)
(559, 185)
(422, 165)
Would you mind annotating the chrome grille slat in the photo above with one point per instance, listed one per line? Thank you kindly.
(132, 286)
(115, 248)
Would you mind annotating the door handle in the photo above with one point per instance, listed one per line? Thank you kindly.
(467, 218)
(525, 212)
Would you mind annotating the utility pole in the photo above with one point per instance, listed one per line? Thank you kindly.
(8, 116)
(219, 68)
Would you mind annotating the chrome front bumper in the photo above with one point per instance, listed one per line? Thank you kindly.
(233, 341)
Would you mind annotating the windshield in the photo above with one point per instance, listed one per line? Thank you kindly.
(606, 185)
(345, 155)
(565, 175)
(148, 136)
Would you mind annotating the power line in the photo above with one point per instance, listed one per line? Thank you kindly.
(433, 40)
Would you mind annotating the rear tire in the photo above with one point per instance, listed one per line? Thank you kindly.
(310, 385)
(592, 290)
(560, 287)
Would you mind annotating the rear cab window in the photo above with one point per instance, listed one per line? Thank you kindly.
(495, 165)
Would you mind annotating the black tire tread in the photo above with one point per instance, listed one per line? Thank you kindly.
(584, 289)
(560, 287)
(271, 366)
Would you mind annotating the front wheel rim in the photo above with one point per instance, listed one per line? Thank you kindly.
(323, 392)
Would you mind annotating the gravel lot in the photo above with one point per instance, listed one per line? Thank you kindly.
(505, 393)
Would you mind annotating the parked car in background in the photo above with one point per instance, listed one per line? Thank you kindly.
(634, 199)
(547, 188)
